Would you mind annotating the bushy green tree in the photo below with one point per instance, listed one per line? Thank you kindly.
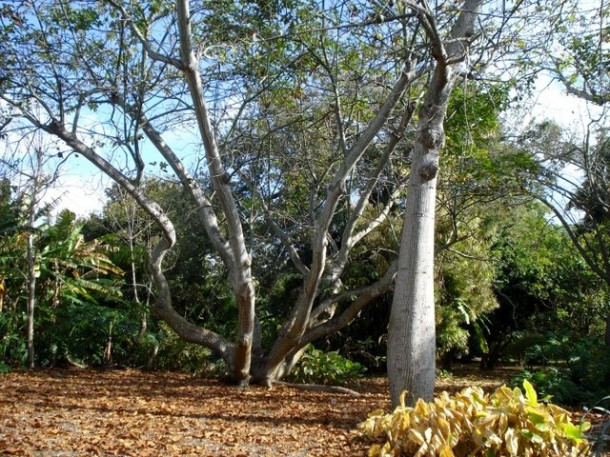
(542, 287)
(70, 274)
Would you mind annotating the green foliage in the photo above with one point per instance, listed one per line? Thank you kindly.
(508, 422)
(553, 383)
(543, 289)
(13, 348)
(82, 332)
(77, 292)
(581, 370)
(319, 367)
(174, 354)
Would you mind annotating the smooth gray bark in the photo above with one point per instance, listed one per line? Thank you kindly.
(240, 266)
(294, 329)
(411, 333)
(31, 284)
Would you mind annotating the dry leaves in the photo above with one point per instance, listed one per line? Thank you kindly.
(130, 413)
(77, 413)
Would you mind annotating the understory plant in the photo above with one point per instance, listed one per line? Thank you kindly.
(580, 372)
(509, 422)
(316, 366)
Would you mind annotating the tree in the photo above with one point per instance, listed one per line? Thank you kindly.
(124, 219)
(579, 53)
(29, 164)
(138, 79)
(280, 99)
(411, 335)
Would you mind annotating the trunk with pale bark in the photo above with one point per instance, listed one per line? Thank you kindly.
(36, 186)
(31, 299)
(411, 334)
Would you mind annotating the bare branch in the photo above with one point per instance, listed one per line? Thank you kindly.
(143, 40)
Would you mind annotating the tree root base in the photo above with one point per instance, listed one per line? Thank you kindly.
(317, 387)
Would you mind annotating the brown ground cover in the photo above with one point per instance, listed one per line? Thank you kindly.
(133, 413)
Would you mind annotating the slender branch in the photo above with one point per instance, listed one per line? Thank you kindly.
(364, 296)
(177, 63)
(349, 240)
(584, 252)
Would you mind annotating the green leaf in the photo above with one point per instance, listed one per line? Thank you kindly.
(536, 418)
(576, 432)
(530, 393)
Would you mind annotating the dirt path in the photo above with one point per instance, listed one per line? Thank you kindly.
(130, 413)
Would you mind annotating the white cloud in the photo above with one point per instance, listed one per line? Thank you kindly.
(569, 111)
(82, 195)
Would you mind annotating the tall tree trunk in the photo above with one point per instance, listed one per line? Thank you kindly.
(31, 301)
(240, 260)
(36, 184)
(411, 333)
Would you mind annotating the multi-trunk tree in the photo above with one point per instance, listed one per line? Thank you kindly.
(287, 124)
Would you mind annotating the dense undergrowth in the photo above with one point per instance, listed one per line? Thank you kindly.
(507, 422)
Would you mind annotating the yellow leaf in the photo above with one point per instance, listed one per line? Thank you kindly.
(415, 436)
(446, 451)
(503, 423)
(428, 435)
(402, 398)
(444, 427)
(421, 408)
(375, 450)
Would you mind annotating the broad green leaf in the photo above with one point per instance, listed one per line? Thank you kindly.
(576, 432)
(536, 417)
(530, 393)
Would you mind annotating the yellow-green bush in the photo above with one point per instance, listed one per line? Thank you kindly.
(472, 423)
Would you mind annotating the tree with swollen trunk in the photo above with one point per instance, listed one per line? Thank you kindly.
(280, 120)
(411, 334)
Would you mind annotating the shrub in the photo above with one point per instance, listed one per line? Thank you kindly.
(316, 366)
(582, 373)
(13, 346)
(175, 354)
(553, 383)
(472, 423)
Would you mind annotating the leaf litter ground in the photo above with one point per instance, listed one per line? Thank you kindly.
(132, 413)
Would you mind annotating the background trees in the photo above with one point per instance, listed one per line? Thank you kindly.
(576, 184)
